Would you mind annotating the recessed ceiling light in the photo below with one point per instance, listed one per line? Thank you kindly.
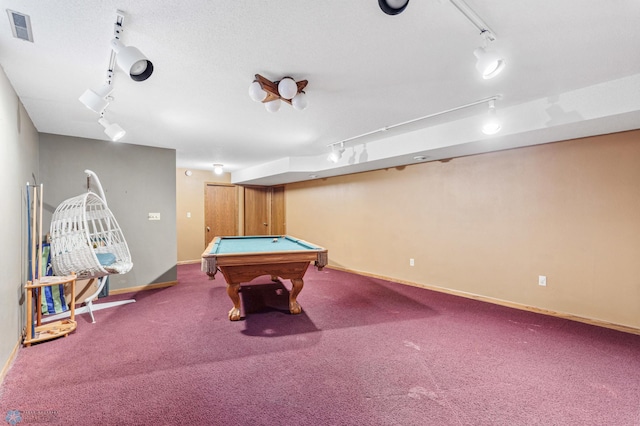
(420, 157)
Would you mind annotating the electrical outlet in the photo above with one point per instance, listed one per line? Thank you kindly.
(542, 280)
(154, 216)
(411, 262)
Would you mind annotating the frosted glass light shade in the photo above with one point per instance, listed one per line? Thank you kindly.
(256, 93)
(287, 88)
(273, 106)
(299, 101)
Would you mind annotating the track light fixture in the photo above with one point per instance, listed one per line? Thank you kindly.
(491, 124)
(113, 130)
(336, 154)
(272, 94)
(128, 58)
(489, 63)
(97, 100)
(393, 7)
(132, 61)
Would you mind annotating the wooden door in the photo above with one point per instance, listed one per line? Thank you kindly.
(256, 211)
(264, 211)
(277, 211)
(220, 211)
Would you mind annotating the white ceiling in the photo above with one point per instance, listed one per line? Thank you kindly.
(573, 70)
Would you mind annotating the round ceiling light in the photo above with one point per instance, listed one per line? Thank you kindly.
(299, 101)
(256, 92)
(287, 88)
(273, 106)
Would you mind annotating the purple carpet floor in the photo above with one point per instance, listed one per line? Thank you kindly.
(363, 352)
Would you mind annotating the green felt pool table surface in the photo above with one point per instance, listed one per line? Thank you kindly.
(259, 244)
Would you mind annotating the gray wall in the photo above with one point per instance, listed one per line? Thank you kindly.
(18, 161)
(137, 180)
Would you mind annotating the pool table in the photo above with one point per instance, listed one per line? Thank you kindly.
(241, 259)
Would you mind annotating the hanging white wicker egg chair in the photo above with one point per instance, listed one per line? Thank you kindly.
(86, 239)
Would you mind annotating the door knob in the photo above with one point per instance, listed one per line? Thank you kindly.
(265, 224)
(208, 229)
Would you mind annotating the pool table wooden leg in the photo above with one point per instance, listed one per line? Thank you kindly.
(294, 306)
(232, 291)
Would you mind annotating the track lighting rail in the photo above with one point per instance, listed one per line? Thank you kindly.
(424, 117)
(473, 17)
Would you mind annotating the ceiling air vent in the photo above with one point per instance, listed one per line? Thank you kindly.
(20, 25)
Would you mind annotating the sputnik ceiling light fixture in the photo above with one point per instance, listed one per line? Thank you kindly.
(271, 94)
(490, 126)
(131, 61)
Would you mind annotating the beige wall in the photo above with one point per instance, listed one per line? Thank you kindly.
(490, 224)
(190, 199)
